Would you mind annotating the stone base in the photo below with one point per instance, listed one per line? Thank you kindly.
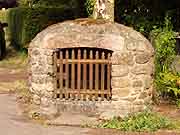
(101, 109)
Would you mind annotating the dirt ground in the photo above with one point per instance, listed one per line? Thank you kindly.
(13, 123)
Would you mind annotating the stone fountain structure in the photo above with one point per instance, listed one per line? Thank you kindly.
(131, 73)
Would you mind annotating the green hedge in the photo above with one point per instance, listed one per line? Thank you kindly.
(24, 23)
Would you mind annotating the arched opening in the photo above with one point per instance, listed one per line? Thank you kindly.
(83, 73)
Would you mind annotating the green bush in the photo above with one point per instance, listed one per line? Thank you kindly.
(144, 121)
(24, 23)
(89, 4)
(165, 45)
(129, 15)
(168, 83)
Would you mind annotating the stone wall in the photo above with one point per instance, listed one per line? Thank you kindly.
(132, 65)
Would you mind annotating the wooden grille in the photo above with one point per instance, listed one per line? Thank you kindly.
(83, 74)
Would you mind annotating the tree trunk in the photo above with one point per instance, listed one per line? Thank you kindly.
(104, 9)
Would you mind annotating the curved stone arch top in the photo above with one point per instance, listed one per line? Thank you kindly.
(107, 41)
(91, 33)
(132, 59)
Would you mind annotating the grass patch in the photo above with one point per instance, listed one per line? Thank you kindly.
(14, 59)
(19, 87)
(140, 122)
(176, 125)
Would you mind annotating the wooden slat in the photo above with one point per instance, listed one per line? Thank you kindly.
(60, 72)
(79, 73)
(91, 73)
(109, 77)
(73, 73)
(55, 70)
(84, 73)
(102, 76)
(97, 75)
(67, 73)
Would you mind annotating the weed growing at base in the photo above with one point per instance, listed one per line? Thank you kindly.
(144, 121)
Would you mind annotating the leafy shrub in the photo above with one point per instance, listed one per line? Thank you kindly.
(144, 121)
(168, 82)
(178, 103)
(134, 15)
(89, 4)
(142, 15)
(165, 45)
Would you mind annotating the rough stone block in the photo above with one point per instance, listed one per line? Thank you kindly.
(142, 69)
(138, 102)
(138, 46)
(137, 83)
(36, 100)
(38, 79)
(122, 58)
(49, 60)
(143, 95)
(142, 58)
(35, 52)
(120, 82)
(148, 82)
(120, 70)
(121, 92)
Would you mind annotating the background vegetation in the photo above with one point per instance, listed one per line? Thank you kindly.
(143, 14)
(31, 17)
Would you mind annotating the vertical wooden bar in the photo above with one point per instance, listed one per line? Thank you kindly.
(84, 73)
(60, 74)
(79, 74)
(109, 77)
(73, 73)
(67, 73)
(97, 76)
(55, 71)
(91, 73)
(102, 76)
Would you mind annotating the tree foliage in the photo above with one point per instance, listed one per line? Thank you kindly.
(143, 14)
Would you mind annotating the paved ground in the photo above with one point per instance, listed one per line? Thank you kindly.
(12, 123)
